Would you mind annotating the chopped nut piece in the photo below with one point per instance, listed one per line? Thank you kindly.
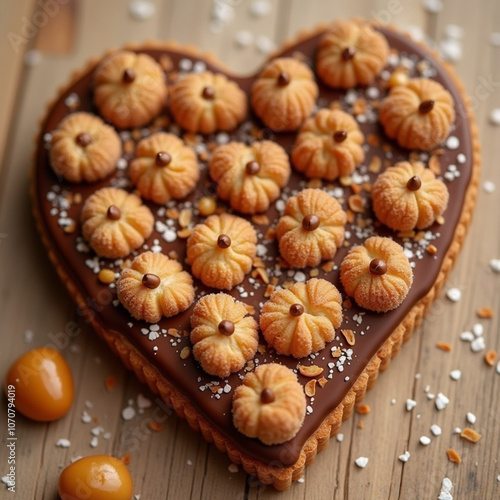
(490, 357)
(322, 381)
(347, 304)
(375, 165)
(260, 220)
(470, 435)
(363, 409)
(185, 233)
(313, 273)
(214, 389)
(440, 220)
(70, 228)
(185, 352)
(262, 274)
(453, 456)
(310, 388)
(432, 250)
(155, 426)
(373, 140)
(172, 213)
(444, 346)
(110, 382)
(345, 180)
(174, 332)
(261, 348)
(185, 217)
(106, 276)
(414, 157)
(315, 183)
(257, 262)
(434, 165)
(356, 203)
(336, 352)
(310, 370)
(359, 107)
(288, 284)
(406, 234)
(269, 290)
(173, 255)
(485, 313)
(250, 309)
(349, 336)
(270, 234)
(77, 198)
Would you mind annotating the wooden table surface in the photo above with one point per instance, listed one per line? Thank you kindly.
(176, 463)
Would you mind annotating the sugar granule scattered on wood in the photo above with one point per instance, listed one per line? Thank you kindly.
(361, 462)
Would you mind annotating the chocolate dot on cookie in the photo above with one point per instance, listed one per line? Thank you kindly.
(128, 75)
(426, 106)
(267, 396)
(283, 79)
(151, 280)
(340, 136)
(113, 213)
(296, 310)
(83, 139)
(378, 267)
(226, 327)
(348, 53)
(163, 159)
(208, 93)
(252, 167)
(414, 183)
(310, 222)
(223, 241)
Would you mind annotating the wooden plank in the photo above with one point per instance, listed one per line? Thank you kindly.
(16, 37)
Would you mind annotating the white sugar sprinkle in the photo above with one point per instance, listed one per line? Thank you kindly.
(128, 413)
(28, 336)
(63, 443)
(454, 31)
(339, 437)
(488, 187)
(454, 294)
(233, 468)
(498, 368)
(410, 404)
(33, 58)
(425, 440)
(471, 418)
(446, 487)
(301, 480)
(478, 329)
(433, 6)
(452, 142)
(185, 64)
(244, 38)
(451, 50)
(405, 456)
(495, 39)
(264, 44)
(142, 401)
(478, 344)
(455, 374)
(86, 418)
(361, 462)
(441, 401)
(495, 265)
(94, 442)
(141, 9)
(260, 8)
(467, 336)
(436, 430)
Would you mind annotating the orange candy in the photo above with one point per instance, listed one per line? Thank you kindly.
(43, 384)
(97, 477)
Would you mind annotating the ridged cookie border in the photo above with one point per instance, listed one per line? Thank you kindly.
(281, 477)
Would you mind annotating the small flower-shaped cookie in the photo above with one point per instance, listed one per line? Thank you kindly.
(224, 336)
(164, 168)
(311, 229)
(115, 222)
(270, 404)
(155, 286)
(221, 250)
(377, 274)
(418, 115)
(408, 196)
(84, 148)
(328, 145)
(250, 177)
(299, 321)
(351, 53)
(284, 94)
(129, 89)
(207, 102)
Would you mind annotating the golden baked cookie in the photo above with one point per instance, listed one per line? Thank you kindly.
(207, 102)
(155, 286)
(408, 196)
(129, 89)
(311, 229)
(84, 148)
(351, 53)
(285, 93)
(377, 274)
(250, 177)
(270, 404)
(300, 320)
(220, 251)
(115, 222)
(418, 115)
(223, 335)
(164, 168)
(328, 146)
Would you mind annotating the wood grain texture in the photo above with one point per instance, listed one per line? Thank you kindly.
(176, 462)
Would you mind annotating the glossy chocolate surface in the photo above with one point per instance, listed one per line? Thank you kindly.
(371, 329)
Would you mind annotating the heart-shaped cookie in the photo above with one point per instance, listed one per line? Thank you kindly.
(289, 228)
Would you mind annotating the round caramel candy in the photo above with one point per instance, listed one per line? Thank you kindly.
(43, 384)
